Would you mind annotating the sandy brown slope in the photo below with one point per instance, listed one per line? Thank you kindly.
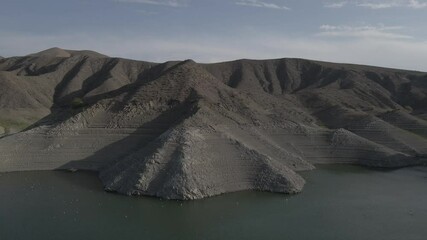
(183, 130)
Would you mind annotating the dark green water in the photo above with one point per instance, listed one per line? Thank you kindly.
(339, 202)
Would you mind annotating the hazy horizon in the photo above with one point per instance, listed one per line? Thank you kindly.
(386, 33)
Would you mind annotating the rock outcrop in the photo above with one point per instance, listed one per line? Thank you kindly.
(183, 130)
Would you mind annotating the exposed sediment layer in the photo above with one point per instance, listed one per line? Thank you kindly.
(183, 130)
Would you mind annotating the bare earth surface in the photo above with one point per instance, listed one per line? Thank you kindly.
(184, 130)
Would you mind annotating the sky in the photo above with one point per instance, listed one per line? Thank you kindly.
(389, 33)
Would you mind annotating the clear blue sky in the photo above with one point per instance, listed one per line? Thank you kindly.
(390, 33)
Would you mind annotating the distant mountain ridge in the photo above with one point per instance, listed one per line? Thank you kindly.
(184, 130)
(58, 52)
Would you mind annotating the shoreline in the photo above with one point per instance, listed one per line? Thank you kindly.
(303, 172)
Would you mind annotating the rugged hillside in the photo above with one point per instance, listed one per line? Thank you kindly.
(62, 53)
(183, 130)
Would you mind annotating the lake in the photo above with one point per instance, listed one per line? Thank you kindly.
(338, 202)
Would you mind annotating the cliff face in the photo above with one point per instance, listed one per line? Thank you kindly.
(183, 130)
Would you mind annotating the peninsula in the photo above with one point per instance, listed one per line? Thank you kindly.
(185, 130)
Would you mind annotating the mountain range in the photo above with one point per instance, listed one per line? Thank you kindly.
(186, 130)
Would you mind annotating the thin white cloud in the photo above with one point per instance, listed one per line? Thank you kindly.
(335, 4)
(169, 3)
(379, 4)
(261, 4)
(380, 31)
(388, 52)
(417, 4)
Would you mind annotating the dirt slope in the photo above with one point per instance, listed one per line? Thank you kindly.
(183, 130)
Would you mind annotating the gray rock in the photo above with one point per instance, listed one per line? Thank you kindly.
(183, 130)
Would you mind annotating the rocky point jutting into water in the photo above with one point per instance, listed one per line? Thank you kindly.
(184, 130)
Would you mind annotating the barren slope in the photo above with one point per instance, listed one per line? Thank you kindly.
(183, 130)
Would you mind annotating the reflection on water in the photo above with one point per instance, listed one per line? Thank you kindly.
(338, 202)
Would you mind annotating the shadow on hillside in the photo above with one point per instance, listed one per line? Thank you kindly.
(140, 138)
(62, 110)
